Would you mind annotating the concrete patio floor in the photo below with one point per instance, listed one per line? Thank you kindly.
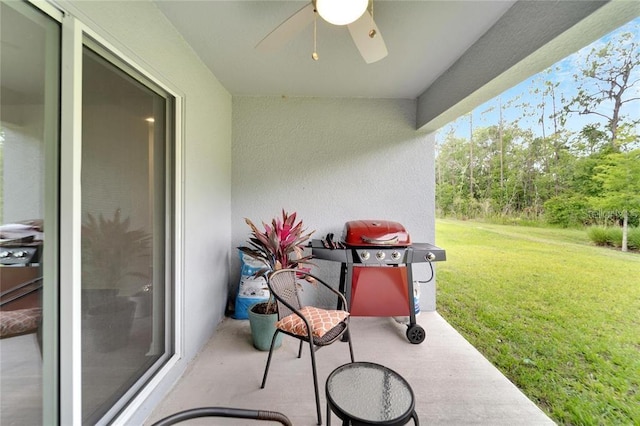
(453, 383)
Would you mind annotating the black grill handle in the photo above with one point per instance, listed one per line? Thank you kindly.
(390, 242)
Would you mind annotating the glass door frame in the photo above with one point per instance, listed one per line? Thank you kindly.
(50, 257)
(51, 208)
(62, 394)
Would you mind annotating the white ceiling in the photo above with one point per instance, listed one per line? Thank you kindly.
(424, 39)
(450, 55)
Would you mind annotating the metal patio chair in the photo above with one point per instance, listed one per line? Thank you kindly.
(325, 326)
(21, 311)
(237, 413)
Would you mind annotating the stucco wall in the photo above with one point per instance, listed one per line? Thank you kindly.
(142, 32)
(332, 160)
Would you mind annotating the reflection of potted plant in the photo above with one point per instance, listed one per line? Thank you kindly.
(111, 253)
(113, 257)
(279, 246)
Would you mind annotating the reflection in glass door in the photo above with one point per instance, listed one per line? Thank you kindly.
(29, 117)
(126, 229)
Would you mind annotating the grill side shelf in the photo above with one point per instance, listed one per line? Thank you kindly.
(417, 253)
(320, 252)
(420, 251)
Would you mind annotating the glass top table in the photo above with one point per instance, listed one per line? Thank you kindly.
(365, 393)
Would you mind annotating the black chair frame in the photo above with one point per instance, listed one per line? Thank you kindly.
(238, 413)
(290, 303)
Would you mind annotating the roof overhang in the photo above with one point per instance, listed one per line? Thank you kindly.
(520, 47)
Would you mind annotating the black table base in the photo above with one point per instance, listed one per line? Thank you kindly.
(364, 393)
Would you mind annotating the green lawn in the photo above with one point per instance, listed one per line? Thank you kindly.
(558, 316)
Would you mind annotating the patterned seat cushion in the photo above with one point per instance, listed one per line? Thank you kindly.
(20, 321)
(321, 321)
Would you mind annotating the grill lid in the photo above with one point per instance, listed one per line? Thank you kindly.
(375, 233)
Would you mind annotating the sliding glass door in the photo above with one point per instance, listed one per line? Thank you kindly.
(29, 138)
(126, 230)
(86, 314)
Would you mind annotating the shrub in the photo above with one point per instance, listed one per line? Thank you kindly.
(566, 211)
(612, 236)
(445, 194)
(597, 235)
(633, 239)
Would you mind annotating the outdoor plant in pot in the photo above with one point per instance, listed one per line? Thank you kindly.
(115, 260)
(279, 245)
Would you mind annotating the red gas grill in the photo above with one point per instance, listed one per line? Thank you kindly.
(376, 277)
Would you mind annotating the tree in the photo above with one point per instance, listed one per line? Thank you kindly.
(528, 156)
(452, 182)
(591, 140)
(606, 85)
(619, 175)
(471, 162)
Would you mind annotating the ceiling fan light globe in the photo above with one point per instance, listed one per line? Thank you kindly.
(341, 12)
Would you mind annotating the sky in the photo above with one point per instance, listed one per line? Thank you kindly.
(562, 73)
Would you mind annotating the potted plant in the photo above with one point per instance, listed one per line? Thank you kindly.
(279, 246)
(114, 262)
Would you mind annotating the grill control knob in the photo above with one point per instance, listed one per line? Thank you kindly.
(430, 257)
(395, 255)
(380, 255)
(365, 255)
(5, 254)
(20, 253)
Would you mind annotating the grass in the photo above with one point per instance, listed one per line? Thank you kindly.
(558, 316)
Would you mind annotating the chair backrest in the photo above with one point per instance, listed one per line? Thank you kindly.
(238, 413)
(283, 285)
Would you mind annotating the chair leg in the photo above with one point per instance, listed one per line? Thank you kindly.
(300, 349)
(266, 369)
(315, 380)
(350, 346)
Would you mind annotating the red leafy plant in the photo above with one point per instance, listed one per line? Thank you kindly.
(279, 246)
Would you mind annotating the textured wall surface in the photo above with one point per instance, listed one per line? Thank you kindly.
(332, 160)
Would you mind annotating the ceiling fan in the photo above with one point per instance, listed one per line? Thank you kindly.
(353, 13)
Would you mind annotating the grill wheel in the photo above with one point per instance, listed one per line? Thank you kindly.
(416, 334)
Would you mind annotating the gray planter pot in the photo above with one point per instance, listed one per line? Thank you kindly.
(110, 324)
(263, 327)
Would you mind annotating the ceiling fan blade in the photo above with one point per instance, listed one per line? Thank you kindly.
(288, 29)
(373, 48)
